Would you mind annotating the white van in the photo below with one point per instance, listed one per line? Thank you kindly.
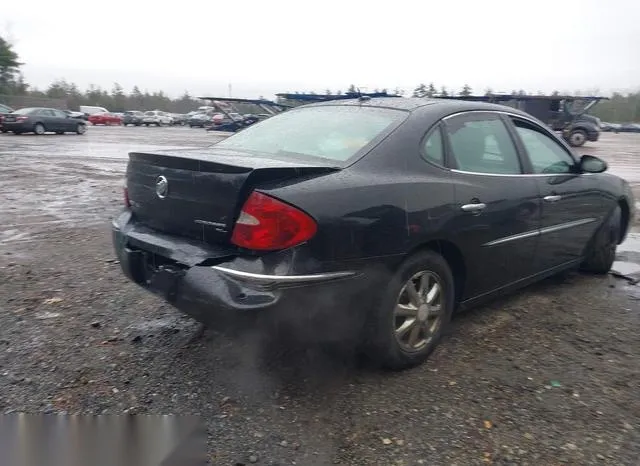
(89, 110)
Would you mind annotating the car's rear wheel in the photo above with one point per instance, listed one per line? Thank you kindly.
(39, 129)
(81, 129)
(414, 312)
(601, 251)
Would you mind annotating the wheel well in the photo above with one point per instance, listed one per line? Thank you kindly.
(624, 221)
(454, 258)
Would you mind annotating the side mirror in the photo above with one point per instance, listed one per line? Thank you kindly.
(591, 164)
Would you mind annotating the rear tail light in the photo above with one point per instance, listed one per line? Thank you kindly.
(127, 201)
(267, 224)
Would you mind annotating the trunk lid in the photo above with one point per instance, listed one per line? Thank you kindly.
(198, 193)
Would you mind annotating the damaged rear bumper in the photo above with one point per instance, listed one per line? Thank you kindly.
(217, 287)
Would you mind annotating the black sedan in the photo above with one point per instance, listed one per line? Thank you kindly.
(367, 219)
(42, 120)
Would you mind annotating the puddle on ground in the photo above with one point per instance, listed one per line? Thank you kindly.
(628, 258)
(628, 269)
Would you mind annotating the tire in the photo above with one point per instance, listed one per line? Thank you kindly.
(577, 138)
(146, 124)
(601, 250)
(81, 129)
(391, 351)
(39, 129)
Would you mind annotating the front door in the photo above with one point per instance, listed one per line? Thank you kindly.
(63, 121)
(568, 218)
(499, 207)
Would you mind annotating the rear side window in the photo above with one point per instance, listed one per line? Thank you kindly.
(481, 143)
(432, 149)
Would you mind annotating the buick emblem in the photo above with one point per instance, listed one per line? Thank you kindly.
(162, 187)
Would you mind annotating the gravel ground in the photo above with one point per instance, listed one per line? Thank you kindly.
(544, 377)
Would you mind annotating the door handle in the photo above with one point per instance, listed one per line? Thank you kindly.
(552, 198)
(475, 207)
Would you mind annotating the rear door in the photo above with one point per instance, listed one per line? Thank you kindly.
(499, 211)
(569, 216)
(49, 119)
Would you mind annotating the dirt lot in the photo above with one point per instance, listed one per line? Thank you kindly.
(547, 376)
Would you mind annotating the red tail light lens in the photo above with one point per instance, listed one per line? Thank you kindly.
(127, 201)
(267, 224)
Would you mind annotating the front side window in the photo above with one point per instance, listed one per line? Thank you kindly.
(545, 154)
(481, 144)
(59, 114)
(329, 132)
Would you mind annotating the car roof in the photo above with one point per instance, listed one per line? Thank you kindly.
(439, 106)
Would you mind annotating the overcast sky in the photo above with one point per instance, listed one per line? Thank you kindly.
(263, 47)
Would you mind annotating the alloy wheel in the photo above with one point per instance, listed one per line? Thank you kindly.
(418, 311)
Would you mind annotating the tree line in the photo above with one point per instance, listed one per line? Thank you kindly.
(619, 108)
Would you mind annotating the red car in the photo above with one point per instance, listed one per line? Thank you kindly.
(105, 119)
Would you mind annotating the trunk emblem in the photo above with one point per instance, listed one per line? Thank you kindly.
(162, 187)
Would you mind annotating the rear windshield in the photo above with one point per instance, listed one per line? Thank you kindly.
(328, 132)
(25, 111)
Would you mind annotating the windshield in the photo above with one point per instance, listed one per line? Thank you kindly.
(150, 113)
(329, 132)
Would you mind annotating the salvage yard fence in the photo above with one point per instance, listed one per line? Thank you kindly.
(22, 101)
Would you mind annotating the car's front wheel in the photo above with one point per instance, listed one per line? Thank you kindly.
(81, 129)
(601, 251)
(577, 138)
(416, 309)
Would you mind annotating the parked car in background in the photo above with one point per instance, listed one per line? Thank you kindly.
(132, 117)
(199, 120)
(629, 128)
(368, 221)
(106, 119)
(89, 110)
(42, 120)
(72, 114)
(179, 119)
(4, 111)
(231, 122)
(157, 118)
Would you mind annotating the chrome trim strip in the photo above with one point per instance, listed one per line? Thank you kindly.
(563, 226)
(541, 231)
(213, 224)
(506, 239)
(281, 279)
(455, 170)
